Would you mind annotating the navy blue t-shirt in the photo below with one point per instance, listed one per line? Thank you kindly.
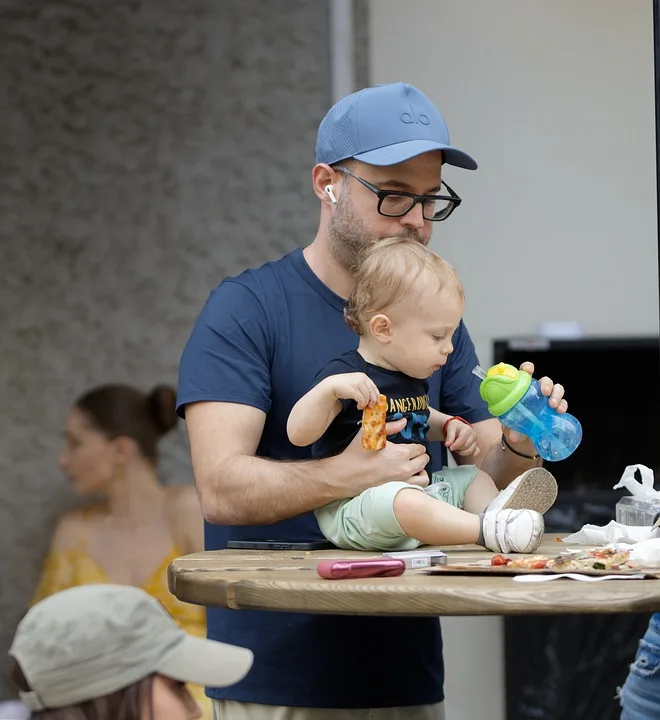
(407, 397)
(260, 340)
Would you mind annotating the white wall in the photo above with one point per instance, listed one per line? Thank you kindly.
(555, 100)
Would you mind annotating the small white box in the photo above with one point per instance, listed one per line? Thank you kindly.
(415, 559)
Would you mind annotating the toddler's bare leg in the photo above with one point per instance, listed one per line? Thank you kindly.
(434, 522)
(480, 493)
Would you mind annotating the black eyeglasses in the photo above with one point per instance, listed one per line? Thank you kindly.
(396, 203)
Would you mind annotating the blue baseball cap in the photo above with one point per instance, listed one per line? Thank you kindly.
(386, 125)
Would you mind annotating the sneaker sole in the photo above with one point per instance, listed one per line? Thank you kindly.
(537, 490)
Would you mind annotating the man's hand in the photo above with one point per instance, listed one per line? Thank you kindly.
(353, 386)
(554, 391)
(461, 438)
(358, 469)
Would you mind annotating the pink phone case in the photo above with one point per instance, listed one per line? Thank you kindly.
(344, 569)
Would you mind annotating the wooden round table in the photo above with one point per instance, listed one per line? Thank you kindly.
(287, 581)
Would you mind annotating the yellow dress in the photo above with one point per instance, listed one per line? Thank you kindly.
(70, 568)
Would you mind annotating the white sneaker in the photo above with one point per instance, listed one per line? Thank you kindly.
(512, 531)
(535, 489)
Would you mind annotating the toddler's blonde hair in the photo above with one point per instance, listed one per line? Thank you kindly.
(392, 272)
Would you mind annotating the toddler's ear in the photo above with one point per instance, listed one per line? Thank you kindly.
(381, 327)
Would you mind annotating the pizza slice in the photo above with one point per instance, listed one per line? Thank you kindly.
(373, 425)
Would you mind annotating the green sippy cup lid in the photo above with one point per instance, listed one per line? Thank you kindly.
(503, 387)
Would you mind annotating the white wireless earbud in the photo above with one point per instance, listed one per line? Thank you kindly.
(328, 189)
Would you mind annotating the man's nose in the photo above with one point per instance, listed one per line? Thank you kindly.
(414, 218)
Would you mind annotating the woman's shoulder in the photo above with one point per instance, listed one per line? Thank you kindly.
(185, 515)
(181, 497)
(74, 526)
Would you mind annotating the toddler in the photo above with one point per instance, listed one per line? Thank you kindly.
(406, 305)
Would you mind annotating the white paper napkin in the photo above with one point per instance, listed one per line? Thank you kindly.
(613, 532)
(574, 576)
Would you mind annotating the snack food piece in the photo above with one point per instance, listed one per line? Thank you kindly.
(373, 425)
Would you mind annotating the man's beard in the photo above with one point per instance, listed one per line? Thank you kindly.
(350, 239)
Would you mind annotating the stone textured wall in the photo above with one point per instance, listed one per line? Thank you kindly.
(147, 150)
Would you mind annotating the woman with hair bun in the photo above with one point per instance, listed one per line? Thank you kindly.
(134, 526)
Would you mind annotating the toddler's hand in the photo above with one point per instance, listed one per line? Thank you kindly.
(355, 386)
(461, 438)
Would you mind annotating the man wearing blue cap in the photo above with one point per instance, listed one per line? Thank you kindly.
(256, 348)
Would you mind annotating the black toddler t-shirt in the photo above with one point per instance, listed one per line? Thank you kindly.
(406, 397)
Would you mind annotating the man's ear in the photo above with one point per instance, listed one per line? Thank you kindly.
(381, 328)
(322, 176)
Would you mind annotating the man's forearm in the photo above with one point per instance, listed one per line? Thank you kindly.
(504, 466)
(249, 490)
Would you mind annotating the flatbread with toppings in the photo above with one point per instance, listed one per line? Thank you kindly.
(596, 559)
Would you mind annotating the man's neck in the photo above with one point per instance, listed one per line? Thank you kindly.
(327, 269)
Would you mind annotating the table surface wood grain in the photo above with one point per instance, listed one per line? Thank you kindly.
(287, 581)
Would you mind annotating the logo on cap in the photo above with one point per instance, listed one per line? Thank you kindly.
(409, 118)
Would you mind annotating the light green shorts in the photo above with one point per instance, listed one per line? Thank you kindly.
(367, 522)
(450, 484)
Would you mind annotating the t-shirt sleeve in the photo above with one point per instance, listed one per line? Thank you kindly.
(344, 364)
(459, 391)
(227, 356)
